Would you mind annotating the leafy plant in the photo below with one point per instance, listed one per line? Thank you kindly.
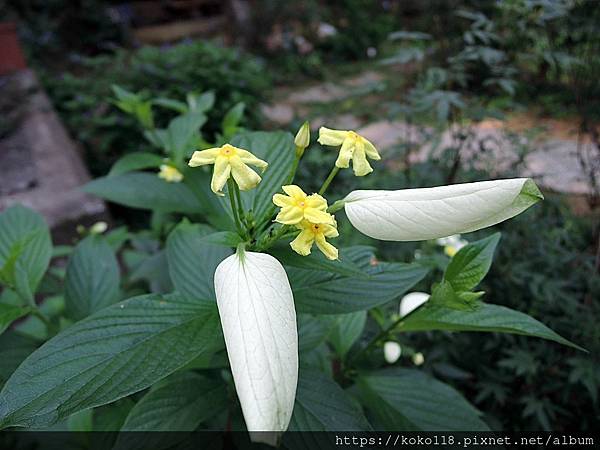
(226, 290)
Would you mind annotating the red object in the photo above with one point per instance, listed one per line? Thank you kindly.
(11, 56)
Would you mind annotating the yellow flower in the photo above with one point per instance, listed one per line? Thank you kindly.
(170, 174)
(302, 138)
(297, 206)
(229, 161)
(315, 233)
(353, 147)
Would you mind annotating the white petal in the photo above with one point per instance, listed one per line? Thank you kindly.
(257, 312)
(412, 301)
(391, 352)
(431, 213)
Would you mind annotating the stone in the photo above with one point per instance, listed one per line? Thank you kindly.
(44, 169)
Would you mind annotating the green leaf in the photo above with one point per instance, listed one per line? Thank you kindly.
(312, 331)
(178, 403)
(145, 191)
(193, 259)
(25, 249)
(321, 292)
(277, 148)
(169, 103)
(346, 330)
(202, 102)
(214, 208)
(232, 119)
(182, 134)
(316, 261)
(322, 405)
(92, 280)
(471, 263)
(409, 400)
(486, 317)
(14, 348)
(113, 353)
(10, 313)
(135, 161)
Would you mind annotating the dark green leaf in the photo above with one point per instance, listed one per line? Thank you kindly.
(182, 134)
(10, 313)
(25, 249)
(322, 405)
(343, 266)
(92, 280)
(485, 317)
(135, 161)
(409, 400)
(115, 352)
(471, 263)
(277, 148)
(145, 191)
(193, 260)
(14, 348)
(321, 292)
(179, 403)
(312, 331)
(346, 330)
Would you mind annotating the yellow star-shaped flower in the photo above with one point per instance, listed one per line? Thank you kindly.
(315, 233)
(353, 147)
(297, 206)
(229, 161)
(170, 174)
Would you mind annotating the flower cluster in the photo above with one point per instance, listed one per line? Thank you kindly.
(308, 213)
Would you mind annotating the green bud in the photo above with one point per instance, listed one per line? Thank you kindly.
(303, 136)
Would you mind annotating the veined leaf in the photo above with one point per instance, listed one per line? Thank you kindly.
(115, 352)
(25, 249)
(471, 263)
(409, 400)
(135, 161)
(322, 405)
(145, 191)
(92, 280)
(346, 330)
(321, 292)
(316, 261)
(14, 348)
(10, 313)
(277, 148)
(179, 403)
(182, 133)
(485, 317)
(193, 259)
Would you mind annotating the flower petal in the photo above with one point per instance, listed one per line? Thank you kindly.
(303, 242)
(204, 157)
(412, 301)
(290, 215)
(345, 155)
(316, 216)
(294, 191)
(259, 325)
(431, 213)
(249, 158)
(370, 150)
(327, 136)
(328, 250)
(220, 175)
(244, 176)
(283, 200)
(360, 165)
(316, 201)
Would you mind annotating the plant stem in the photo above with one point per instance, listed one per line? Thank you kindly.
(234, 210)
(327, 182)
(240, 205)
(381, 335)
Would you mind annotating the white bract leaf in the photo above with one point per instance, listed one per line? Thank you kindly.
(412, 301)
(257, 313)
(431, 213)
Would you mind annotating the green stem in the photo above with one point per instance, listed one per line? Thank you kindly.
(234, 210)
(240, 205)
(329, 179)
(382, 335)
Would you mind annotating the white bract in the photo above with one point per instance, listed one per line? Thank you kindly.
(412, 301)
(257, 313)
(431, 213)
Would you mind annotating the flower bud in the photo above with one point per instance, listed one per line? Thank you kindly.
(302, 139)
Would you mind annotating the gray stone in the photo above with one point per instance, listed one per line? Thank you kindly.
(44, 165)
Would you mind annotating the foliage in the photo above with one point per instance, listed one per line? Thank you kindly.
(151, 330)
(81, 96)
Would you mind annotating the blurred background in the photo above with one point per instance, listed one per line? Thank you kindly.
(450, 91)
